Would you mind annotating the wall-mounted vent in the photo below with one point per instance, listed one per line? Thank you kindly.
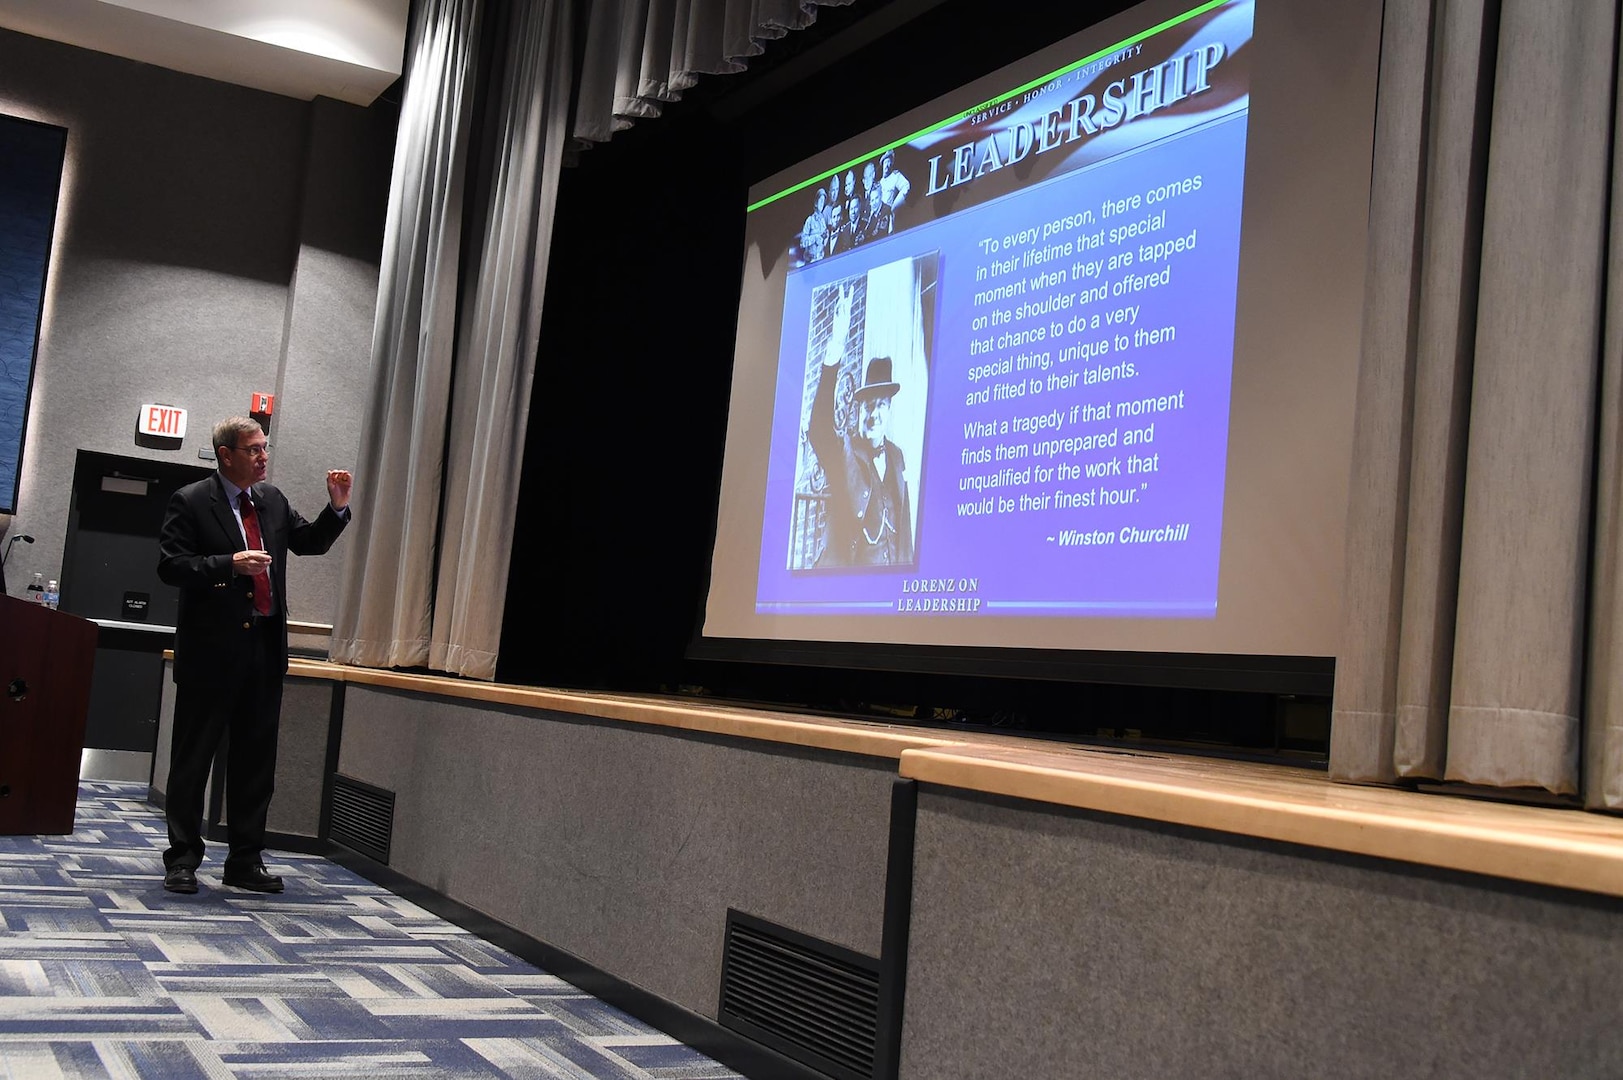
(362, 817)
(809, 1000)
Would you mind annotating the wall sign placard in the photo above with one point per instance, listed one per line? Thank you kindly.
(161, 421)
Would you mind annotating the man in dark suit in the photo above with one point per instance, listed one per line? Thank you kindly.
(224, 545)
(870, 519)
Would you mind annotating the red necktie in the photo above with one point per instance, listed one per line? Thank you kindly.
(256, 542)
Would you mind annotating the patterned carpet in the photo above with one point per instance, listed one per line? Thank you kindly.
(103, 974)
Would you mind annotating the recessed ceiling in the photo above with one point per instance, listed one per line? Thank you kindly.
(345, 49)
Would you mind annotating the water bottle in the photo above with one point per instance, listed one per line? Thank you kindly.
(36, 590)
(53, 595)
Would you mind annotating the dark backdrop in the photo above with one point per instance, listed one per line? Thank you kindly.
(623, 459)
(31, 158)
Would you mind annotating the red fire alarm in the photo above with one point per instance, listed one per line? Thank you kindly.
(263, 405)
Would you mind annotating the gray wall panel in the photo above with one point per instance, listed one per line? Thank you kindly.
(186, 206)
(623, 844)
(169, 280)
(301, 756)
(301, 753)
(321, 392)
(319, 403)
(166, 730)
(1048, 943)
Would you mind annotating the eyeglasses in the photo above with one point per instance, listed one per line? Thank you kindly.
(258, 450)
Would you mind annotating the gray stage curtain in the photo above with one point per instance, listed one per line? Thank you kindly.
(385, 610)
(497, 350)
(1603, 722)
(1465, 647)
(442, 443)
(643, 53)
(443, 437)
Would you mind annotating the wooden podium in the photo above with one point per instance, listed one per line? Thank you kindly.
(45, 662)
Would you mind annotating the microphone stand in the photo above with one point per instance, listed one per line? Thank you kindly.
(7, 557)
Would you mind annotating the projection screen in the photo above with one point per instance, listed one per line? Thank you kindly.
(1066, 359)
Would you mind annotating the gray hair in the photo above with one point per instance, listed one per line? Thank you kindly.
(228, 431)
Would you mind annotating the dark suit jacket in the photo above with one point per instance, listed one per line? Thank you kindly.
(860, 503)
(199, 536)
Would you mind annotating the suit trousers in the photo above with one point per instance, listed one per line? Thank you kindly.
(244, 708)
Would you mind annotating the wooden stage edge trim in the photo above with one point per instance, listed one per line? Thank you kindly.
(1568, 849)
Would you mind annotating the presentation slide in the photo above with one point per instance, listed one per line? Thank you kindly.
(1002, 374)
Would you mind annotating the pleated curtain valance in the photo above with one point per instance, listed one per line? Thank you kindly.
(641, 54)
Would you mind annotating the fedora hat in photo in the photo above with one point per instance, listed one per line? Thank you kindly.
(878, 383)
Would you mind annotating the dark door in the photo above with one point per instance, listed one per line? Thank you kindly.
(110, 574)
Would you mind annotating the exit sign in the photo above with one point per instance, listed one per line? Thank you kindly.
(164, 421)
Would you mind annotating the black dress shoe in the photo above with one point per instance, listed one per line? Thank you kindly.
(180, 879)
(255, 878)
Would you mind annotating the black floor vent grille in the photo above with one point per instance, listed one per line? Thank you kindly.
(362, 817)
(809, 1000)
